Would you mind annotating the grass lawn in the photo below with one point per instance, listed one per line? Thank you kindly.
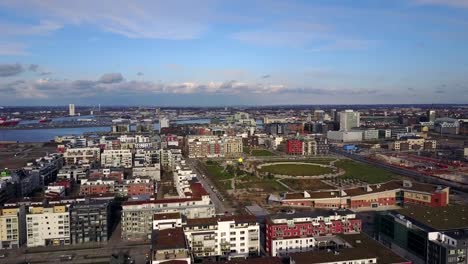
(217, 172)
(296, 169)
(324, 161)
(268, 185)
(365, 172)
(261, 152)
(307, 184)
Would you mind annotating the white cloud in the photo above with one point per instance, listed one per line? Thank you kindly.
(175, 19)
(13, 49)
(44, 27)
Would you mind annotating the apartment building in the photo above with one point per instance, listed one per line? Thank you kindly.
(163, 221)
(301, 232)
(223, 237)
(137, 215)
(117, 158)
(97, 186)
(413, 144)
(12, 227)
(294, 147)
(204, 146)
(138, 186)
(232, 146)
(48, 225)
(90, 221)
(82, 156)
(170, 245)
(151, 171)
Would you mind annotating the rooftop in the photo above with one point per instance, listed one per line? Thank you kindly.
(164, 216)
(215, 220)
(169, 239)
(439, 218)
(359, 246)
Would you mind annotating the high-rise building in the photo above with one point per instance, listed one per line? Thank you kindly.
(90, 221)
(71, 109)
(349, 119)
(431, 115)
(163, 122)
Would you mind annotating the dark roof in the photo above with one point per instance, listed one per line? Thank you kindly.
(258, 260)
(169, 239)
(360, 246)
(166, 216)
(438, 218)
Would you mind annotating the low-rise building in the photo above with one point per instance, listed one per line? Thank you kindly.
(370, 197)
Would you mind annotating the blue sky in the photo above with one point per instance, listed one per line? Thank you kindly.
(215, 52)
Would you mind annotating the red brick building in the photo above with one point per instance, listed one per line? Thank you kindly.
(300, 232)
(294, 147)
(393, 193)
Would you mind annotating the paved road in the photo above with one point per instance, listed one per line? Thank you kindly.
(221, 207)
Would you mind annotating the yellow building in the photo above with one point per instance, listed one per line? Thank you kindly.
(12, 227)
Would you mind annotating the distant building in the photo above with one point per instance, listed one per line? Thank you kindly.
(344, 136)
(163, 123)
(294, 147)
(431, 115)
(413, 144)
(71, 109)
(349, 119)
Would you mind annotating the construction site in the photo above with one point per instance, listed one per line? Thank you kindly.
(453, 170)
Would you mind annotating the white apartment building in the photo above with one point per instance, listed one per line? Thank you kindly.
(116, 158)
(81, 155)
(48, 225)
(226, 236)
(152, 171)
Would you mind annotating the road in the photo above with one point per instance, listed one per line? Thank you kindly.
(409, 173)
(221, 207)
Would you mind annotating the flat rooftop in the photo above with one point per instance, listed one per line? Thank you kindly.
(360, 247)
(439, 218)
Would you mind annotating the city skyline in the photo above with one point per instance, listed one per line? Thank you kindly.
(223, 53)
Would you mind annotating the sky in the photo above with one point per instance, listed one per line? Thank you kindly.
(243, 52)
